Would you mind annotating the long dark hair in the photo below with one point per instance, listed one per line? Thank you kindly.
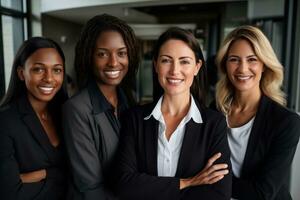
(16, 87)
(199, 86)
(86, 45)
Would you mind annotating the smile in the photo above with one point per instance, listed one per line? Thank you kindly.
(174, 81)
(243, 78)
(112, 74)
(46, 90)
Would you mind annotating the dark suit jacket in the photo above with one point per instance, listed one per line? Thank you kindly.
(270, 151)
(25, 147)
(136, 161)
(92, 134)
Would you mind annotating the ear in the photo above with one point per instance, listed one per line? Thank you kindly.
(20, 72)
(198, 66)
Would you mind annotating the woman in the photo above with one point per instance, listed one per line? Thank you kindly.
(32, 159)
(262, 134)
(172, 149)
(106, 59)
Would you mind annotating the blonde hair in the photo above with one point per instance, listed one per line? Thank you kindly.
(272, 77)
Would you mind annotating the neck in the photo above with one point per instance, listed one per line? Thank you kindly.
(176, 105)
(246, 101)
(110, 93)
(39, 107)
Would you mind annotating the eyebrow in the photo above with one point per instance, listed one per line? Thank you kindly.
(183, 57)
(104, 49)
(39, 63)
(239, 56)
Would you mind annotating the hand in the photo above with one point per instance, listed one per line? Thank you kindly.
(34, 176)
(209, 175)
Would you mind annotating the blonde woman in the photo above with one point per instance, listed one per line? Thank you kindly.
(262, 134)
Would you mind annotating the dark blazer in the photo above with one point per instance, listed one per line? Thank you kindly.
(136, 161)
(25, 147)
(270, 151)
(92, 134)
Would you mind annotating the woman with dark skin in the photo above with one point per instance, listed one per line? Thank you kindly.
(174, 148)
(262, 133)
(32, 159)
(106, 60)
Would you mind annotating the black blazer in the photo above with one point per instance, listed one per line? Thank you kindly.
(136, 161)
(25, 147)
(270, 151)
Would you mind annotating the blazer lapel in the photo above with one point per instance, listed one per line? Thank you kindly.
(151, 140)
(257, 128)
(191, 135)
(33, 123)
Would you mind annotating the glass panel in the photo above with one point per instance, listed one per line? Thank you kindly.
(12, 38)
(13, 4)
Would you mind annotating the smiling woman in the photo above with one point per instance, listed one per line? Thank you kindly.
(262, 133)
(174, 148)
(32, 158)
(106, 60)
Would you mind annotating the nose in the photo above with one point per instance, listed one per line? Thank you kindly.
(48, 77)
(175, 68)
(243, 66)
(113, 60)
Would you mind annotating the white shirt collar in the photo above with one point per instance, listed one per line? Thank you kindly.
(193, 113)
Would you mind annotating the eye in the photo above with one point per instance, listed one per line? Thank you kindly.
(252, 59)
(38, 69)
(233, 60)
(185, 62)
(122, 54)
(102, 54)
(166, 60)
(57, 70)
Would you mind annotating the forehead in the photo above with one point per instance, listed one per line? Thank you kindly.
(45, 54)
(241, 46)
(110, 39)
(176, 47)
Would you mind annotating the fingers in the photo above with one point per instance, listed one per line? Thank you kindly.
(216, 167)
(211, 161)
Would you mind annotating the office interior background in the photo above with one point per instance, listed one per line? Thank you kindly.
(209, 20)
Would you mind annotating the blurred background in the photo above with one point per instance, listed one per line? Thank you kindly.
(209, 20)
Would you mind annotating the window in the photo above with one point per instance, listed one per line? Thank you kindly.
(13, 30)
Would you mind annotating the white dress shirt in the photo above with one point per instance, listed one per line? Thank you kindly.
(168, 151)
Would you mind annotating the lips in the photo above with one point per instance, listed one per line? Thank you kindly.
(243, 77)
(46, 89)
(174, 81)
(112, 73)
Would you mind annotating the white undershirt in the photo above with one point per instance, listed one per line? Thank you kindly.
(168, 151)
(238, 141)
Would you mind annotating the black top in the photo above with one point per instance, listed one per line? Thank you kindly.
(25, 147)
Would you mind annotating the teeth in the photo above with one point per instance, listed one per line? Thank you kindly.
(174, 80)
(243, 77)
(112, 74)
(46, 90)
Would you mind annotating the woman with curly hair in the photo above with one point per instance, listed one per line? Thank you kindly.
(262, 134)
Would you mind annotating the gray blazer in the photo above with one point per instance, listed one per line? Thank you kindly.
(91, 136)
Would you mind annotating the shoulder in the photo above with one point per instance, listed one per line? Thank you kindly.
(140, 111)
(79, 101)
(278, 112)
